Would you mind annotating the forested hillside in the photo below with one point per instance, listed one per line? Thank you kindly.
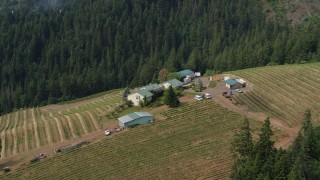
(51, 52)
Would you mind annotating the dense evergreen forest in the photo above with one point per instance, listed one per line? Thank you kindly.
(261, 160)
(52, 52)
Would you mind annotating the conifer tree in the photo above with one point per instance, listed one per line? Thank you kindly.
(264, 148)
(242, 146)
(171, 98)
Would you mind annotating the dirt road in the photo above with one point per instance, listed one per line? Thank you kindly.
(216, 93)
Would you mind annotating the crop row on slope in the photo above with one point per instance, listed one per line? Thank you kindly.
(284, 92)
(33, 128)
(192, 142)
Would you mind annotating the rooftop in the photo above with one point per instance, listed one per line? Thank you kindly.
(133, 116)
(231, 82)
(174, 83)
(184, 73)
(144, 92)
(152, 88)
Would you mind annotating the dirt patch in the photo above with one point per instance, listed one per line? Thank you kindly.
(186, 98)
(24, 158)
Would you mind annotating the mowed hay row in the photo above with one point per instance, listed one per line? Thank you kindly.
(185, 145)
(10, 134)
(105, 102)
(284, 92)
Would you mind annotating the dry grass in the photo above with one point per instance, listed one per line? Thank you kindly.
(193, 141)
(284, 92)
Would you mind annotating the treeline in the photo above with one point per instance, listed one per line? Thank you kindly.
(48, 55)
(261, 160)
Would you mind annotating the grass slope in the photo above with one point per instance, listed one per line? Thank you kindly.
(284, 92)
(188, 142)
(33, 128)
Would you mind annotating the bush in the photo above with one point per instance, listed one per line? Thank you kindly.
(35, 159)
(212, 84)
(129, 103)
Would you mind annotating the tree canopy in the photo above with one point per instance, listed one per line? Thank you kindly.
(52, 52)
(261, 160)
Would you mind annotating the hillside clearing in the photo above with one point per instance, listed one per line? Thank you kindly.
(283, 92)
(34, 128)
(192, 141)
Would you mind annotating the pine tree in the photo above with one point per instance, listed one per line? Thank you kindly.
(264, 148)
(242, 146)
(171, 98)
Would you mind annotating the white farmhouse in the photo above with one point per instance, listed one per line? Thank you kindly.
(139, 96)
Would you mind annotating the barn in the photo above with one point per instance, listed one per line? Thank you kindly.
(134, 119)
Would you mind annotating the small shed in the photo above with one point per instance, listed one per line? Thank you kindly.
(176, 84)
(134, 119)
(197, 74)
(139, 96)
(232, 84)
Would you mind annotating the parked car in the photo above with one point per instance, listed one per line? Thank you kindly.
(198, 97)
(207, 96)
(107, 132)
(239, 90)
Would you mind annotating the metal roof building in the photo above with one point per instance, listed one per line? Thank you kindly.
(174, 83)
(153, 88)
(232, 84)
(185, 72)
(144, 92)
(136, 118)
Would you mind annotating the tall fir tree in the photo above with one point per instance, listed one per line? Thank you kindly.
(171, 98)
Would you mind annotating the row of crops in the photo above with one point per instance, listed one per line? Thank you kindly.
(192, 142)
(284, 92)
(32, 128)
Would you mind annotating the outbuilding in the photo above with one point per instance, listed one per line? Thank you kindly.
(139, 96)
(134, 119)
(233, 84)
(186, 75)
(176, 84)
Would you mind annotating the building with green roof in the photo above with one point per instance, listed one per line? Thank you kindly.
(136, 118)
(153, 88)
(185, 73)
(175, 83)
(186, 76)
(232, 84)
(139, 96)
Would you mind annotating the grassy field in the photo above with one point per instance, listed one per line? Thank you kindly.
(33, 128)
(284, 92)
(188, 142)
